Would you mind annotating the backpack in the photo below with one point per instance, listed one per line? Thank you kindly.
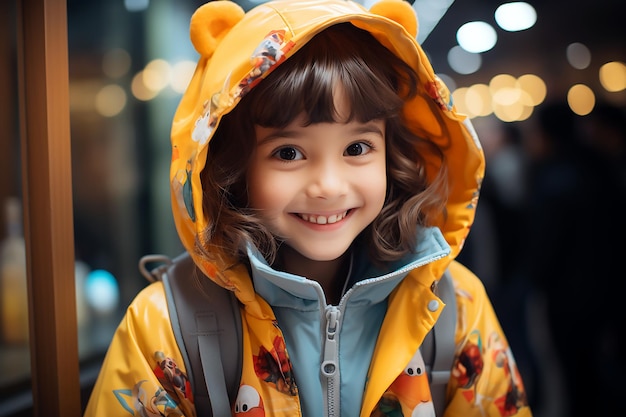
(206, 321)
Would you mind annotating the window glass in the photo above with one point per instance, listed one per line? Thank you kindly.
(14, 351)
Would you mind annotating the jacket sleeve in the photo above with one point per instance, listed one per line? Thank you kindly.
(142, 373)
(485, 380)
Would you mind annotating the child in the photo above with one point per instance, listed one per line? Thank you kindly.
(320, 171)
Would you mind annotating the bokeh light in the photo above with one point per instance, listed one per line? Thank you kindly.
(578, 55)
(157, 75)
(478, 100)
(102, 291)
(515, 16)
(110, 100)
(116, 63)
(613, 76)
(476, 37)
(462, 61)
(136, 5)
(510, 99)
(181, 75)
(534, 87)
(139, 88)
(581, 99)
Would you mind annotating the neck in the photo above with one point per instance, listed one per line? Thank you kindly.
(331, 275)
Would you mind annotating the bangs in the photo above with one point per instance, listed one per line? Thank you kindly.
(340, 58)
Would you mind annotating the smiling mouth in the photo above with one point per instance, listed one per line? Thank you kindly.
(319, 219)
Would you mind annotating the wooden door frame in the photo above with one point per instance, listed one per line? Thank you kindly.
(43, 75)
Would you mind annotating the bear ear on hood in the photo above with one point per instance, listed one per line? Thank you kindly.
(399, 11)
(211, 22)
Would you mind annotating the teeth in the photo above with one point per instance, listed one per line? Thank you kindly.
(334, 218)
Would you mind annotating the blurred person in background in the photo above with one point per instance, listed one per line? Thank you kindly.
(575, 228)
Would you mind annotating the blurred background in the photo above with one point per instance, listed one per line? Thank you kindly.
(544, 82)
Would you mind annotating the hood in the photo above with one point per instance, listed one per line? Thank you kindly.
(226, 39)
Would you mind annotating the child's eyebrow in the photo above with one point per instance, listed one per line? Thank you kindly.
(369, 127)
(278, 134)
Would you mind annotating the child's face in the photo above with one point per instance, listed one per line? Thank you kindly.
(319, 186)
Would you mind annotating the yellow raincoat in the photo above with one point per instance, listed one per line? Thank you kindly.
(143, 373)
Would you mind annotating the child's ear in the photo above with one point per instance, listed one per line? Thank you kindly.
(211, 22)
(399, 11)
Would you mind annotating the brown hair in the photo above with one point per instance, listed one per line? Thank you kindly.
(377, 84)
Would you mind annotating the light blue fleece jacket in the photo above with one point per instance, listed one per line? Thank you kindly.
(301, 311)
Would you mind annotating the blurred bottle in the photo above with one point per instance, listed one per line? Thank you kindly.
(13, 289)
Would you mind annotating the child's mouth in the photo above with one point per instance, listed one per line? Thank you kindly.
(321, 219)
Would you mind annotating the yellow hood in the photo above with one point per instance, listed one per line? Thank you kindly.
(226, 39)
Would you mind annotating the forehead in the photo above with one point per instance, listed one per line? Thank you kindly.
(343, 106)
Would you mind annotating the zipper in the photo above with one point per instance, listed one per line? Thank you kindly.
(333, 315)
(330, 361)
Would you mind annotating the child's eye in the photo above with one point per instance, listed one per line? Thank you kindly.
(358, 148)
(288, 154)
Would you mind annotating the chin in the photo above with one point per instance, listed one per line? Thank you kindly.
(325, 258)
(323, 255)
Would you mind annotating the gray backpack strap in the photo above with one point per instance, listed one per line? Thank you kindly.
(206, 321)
(439, 345)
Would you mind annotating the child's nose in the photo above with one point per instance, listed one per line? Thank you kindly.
(328, 181)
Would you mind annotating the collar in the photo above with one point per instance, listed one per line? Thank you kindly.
(282, 288)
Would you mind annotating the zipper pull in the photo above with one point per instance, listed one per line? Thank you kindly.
(329, 364)
(330, 368)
